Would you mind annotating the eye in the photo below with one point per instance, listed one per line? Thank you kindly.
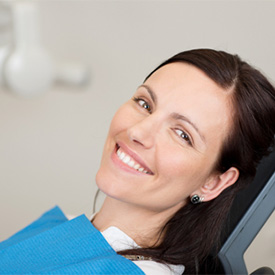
(143, 104)
(184, 136)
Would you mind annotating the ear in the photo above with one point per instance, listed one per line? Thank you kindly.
(219, 182)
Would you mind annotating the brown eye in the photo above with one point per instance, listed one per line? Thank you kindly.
(143, 104)
(183, 135)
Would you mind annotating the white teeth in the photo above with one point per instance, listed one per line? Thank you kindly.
(127, 160)
(131, 163)
(122, 155)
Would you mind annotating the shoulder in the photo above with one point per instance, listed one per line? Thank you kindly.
(154, 268)
(121, 241)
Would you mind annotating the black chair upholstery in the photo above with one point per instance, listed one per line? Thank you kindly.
(263, 271)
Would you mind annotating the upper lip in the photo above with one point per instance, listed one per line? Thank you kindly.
(134, 156)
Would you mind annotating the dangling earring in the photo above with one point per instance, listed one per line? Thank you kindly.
(195, 199)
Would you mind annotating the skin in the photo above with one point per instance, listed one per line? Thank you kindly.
(175, 127)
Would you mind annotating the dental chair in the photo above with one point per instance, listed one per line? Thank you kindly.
(250, 210)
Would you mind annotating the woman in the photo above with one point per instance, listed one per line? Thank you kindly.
(175, 157)
(178, 152)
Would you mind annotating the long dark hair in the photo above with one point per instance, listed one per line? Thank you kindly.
(194, 231)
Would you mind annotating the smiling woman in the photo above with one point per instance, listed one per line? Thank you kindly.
(178, 152)
(175, 156)
(174, 141)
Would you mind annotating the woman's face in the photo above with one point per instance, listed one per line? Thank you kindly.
(163, 143)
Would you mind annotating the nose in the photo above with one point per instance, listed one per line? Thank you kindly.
(144, 132)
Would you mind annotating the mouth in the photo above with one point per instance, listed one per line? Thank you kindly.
(131, 161)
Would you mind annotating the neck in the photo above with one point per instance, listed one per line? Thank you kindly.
(142, 225)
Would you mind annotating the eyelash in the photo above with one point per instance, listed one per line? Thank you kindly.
(144, 105)
(184, 136)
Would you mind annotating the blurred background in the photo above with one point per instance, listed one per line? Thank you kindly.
(50, 144)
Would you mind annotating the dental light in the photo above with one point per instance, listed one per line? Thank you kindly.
(26, 68)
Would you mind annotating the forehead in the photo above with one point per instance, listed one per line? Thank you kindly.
(179, 74)
(185, 89)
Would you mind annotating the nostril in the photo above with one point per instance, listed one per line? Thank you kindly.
(135, 138)
(141, 133)
(136, 141)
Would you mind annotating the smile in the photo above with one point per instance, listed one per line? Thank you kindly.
(130, 162)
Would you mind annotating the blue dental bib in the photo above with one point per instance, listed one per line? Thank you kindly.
(54, 245)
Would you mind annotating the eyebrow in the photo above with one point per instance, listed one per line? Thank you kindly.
(151, 92)
(186, 119)
(174, 115)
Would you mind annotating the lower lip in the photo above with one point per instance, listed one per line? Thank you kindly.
(118, 162)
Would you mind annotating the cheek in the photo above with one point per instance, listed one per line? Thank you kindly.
(121, 120)
(183, 167)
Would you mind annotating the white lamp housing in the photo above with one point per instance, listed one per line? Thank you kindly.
(25, 67)
(28, 69)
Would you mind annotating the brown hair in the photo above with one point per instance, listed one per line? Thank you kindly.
(194, 231)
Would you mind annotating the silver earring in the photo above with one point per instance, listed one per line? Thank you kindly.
(195, 199)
